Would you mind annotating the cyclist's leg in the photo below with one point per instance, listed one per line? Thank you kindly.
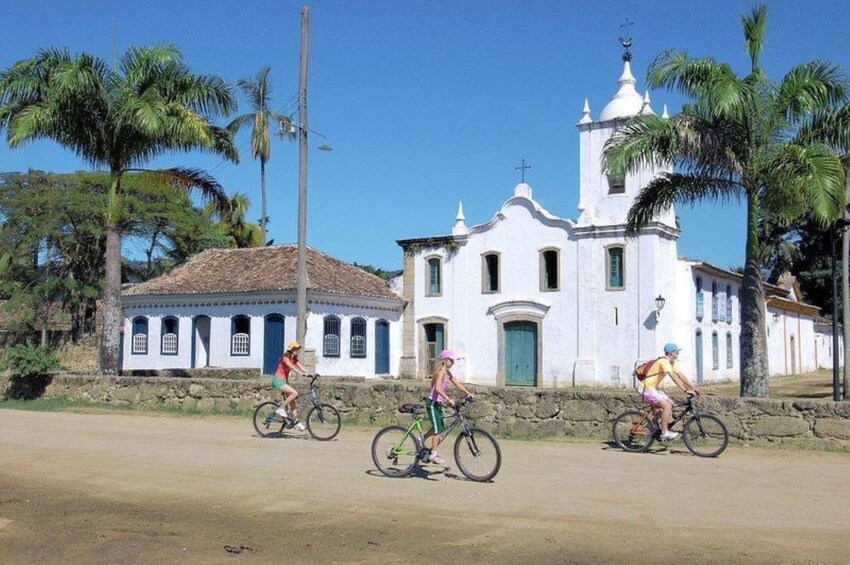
(665, 406)
(290, 395)
(435, 416)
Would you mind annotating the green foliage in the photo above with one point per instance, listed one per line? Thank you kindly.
(31, 361)
(377, 271)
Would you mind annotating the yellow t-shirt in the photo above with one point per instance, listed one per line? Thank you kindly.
(658, 371)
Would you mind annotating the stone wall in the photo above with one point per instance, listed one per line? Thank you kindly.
(510, 412)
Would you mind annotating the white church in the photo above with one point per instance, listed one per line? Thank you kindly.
(525, 299)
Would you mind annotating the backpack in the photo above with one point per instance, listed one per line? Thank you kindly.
(641, 371)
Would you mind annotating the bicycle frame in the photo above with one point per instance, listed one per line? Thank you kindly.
(416, 426)
(649, 414)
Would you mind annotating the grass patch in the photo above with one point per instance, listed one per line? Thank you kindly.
(814, 385)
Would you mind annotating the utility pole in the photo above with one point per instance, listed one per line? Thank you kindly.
(301, 299)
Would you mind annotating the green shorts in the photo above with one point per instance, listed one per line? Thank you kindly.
(277, 382)
(435, 415)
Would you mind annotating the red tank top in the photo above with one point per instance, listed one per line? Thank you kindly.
(283, 369)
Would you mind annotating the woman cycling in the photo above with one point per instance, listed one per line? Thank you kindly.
(288, 363)
(438, 395)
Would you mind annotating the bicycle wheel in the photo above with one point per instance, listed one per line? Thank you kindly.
(323, 422)
(266, 422)
(705, 435)
(633, 432)
(478, 455)
(395, 451)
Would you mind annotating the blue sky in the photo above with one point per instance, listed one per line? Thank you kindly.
(425, 103)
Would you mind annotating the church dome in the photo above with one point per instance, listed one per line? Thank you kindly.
(627, 102)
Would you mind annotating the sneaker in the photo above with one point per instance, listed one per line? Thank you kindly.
(281, 411)
(668, 435)
(435, 458)
(300, 427)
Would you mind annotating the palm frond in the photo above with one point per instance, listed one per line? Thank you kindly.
(675, 188)
(755, 25)
(194, 179)
(811, 87)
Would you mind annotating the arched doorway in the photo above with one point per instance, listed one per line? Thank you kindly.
(382, 347)
(272, 342)
(200, 341)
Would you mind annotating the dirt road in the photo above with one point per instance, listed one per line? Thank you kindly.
(128, 488)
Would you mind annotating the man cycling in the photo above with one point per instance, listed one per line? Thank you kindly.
(660, 402)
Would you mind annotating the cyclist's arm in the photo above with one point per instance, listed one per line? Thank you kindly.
(295, 366)
(682, 382)
(459, 385)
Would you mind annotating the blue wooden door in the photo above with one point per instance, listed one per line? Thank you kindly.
(272, 343)
(698, 356)
(520, 353)
(382, 347)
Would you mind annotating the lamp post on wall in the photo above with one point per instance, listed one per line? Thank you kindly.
(659, 305)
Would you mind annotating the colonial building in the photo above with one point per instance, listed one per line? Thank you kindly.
(236, 308)
(529, 298)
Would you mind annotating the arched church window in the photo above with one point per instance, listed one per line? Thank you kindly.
(615, 267)
(330, 343)
(616, 184)
(170, 330)
(434, 282)
(549, 276)
(140, 336)
(240, 336)
(358, 337)
(490, 273)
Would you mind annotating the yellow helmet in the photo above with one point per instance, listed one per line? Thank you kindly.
(293, 345)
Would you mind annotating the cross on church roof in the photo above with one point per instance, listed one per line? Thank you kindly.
(522, 168)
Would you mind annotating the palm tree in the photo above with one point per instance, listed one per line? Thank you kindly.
(237, 230)
(258, 90)
(737, 140)
(119, 118)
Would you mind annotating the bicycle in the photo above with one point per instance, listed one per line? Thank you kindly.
(705, 435)
(396, 450)
(323, 420)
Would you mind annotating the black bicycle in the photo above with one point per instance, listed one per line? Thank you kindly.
(705, 435)
(323, 420)
(396, 449)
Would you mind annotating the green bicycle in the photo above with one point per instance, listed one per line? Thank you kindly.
(396, 450)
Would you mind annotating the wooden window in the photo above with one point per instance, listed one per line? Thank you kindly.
(728, 350)
(240, 336)
(699, 299)
(490, 272)
(616, 185)
(615, 268)
(549, 275)
(434, 282)
(358, 338)
(170, 332)
(140, 336)
(729, 303)
(715, 301)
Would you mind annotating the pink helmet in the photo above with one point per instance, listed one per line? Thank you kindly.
(447, 354)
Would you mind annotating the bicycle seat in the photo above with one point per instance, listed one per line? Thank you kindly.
(410, 408)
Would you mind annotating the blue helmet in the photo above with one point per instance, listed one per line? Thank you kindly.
(670, 348)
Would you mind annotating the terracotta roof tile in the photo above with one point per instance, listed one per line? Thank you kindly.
(260, 269)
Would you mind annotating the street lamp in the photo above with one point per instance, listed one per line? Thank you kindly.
(659, 305)
(837, 229)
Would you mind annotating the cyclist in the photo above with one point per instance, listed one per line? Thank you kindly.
(660, 402)
(288, 363)
(434, 404)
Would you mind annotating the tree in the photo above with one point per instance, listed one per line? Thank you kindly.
(119, 118)
(258, 90)
(239, 232)
(737, 139)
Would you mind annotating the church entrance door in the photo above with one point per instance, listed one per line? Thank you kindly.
(520, 353)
